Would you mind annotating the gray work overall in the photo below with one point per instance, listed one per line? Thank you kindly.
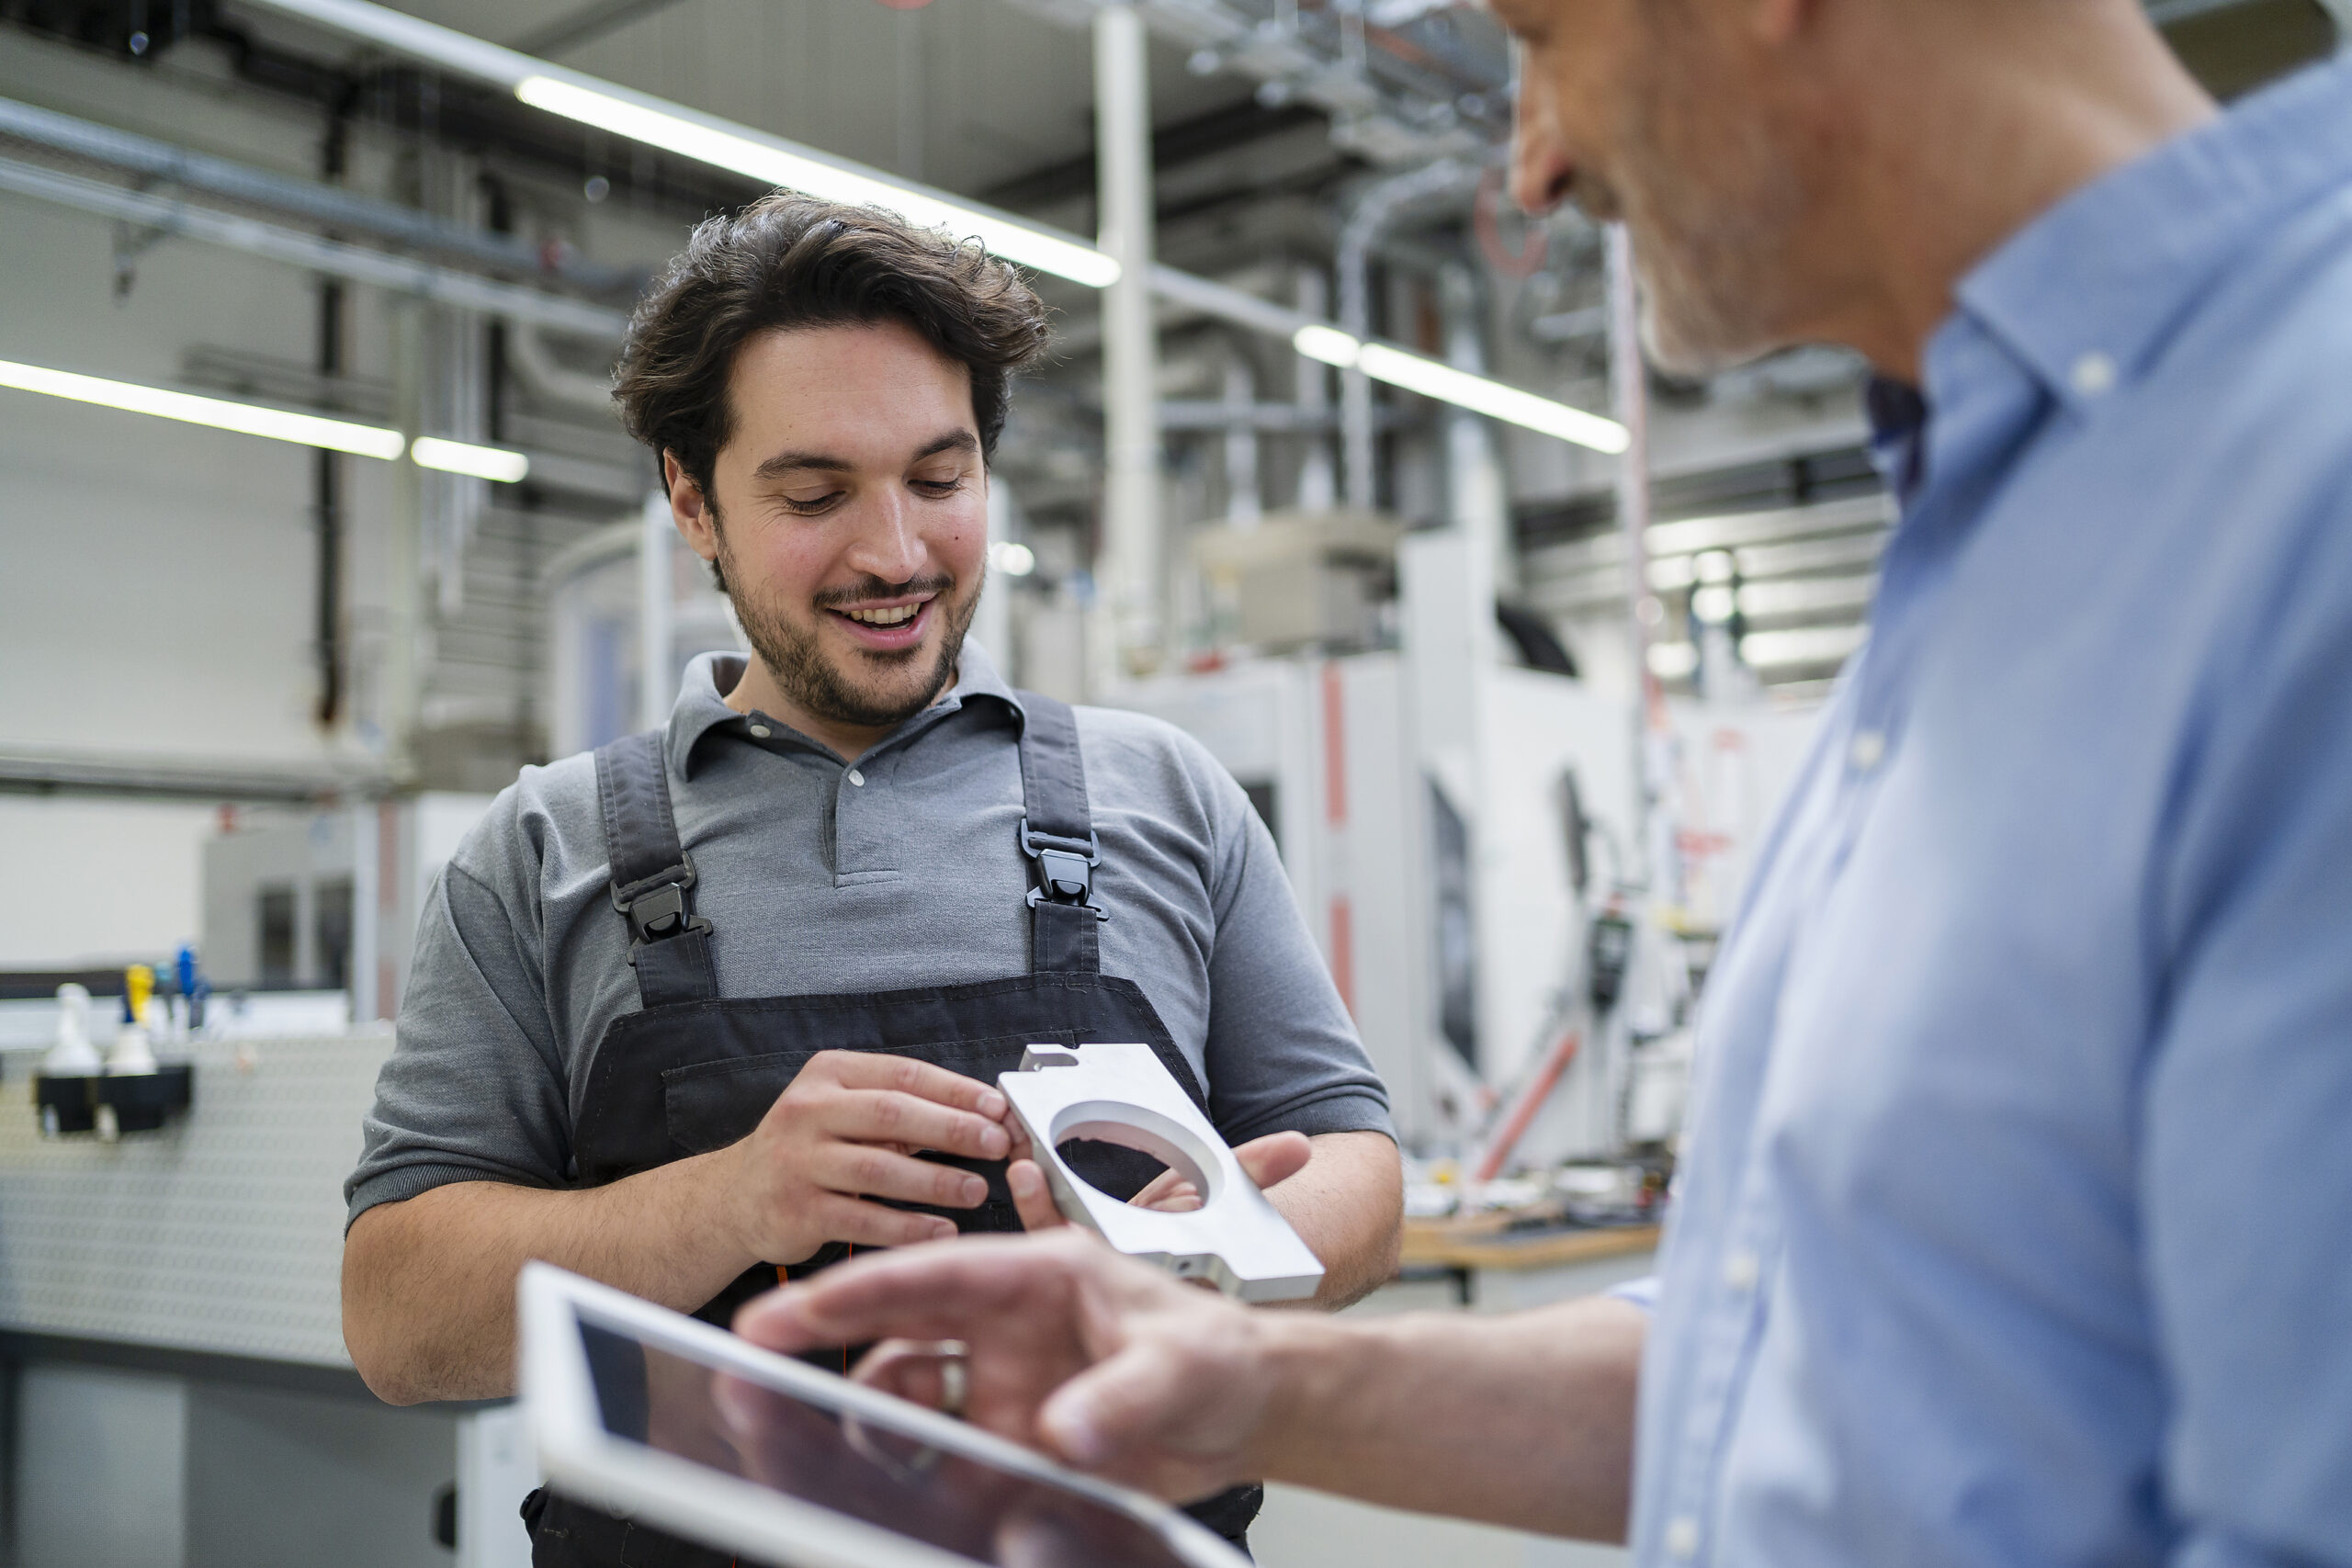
(694, 1071)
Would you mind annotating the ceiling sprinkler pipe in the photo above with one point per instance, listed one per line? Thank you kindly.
(1366, 222)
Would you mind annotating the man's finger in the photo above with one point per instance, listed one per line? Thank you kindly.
(1032, 1198)
(914, 1369)
(863, 1171)
(1114, 1406)
(861, 1223)
(877, 1070)
(893, 1117)
(1170, 1193)
(1277, 1156)
(921, 1292)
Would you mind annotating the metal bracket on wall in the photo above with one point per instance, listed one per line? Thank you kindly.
(1121, 1094)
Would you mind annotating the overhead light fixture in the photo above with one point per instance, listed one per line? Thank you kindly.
(772, 162)
(245, 419)
(1328, 344)
(271, 424)
(1481, 395)
(616, 111)
(494, 463)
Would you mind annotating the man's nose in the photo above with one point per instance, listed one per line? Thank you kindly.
(890, 547)
(1541, 169)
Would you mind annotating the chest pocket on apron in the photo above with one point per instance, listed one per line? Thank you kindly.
(693, 1071)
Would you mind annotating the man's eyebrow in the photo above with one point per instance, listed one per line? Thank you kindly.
(784, 463)
(954, 441)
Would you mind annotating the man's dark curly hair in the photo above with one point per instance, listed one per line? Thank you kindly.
(794, 261)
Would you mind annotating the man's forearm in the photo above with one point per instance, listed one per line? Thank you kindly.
(1347, 1206)
(428, 1284)
(1524, 1420)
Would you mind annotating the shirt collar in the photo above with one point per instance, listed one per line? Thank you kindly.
(701, 709)
(2086, 293)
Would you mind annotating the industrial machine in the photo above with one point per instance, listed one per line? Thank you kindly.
(1453, 825)
(328, 901)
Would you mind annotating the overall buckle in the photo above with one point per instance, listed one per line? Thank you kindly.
(1064, 875)
(657, 909)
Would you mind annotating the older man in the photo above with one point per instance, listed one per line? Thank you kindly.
(2016, 1217)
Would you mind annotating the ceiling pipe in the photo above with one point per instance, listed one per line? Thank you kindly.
(321, 203)
(1133, 572)
(1370, 214)
(167, 216)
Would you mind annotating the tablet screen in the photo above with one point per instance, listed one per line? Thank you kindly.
(854, 1464)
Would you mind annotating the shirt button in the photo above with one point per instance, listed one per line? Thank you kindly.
(762, 731)
(1739, 1270)
(2094, 374)
(1682, 1537)
(855, 777)
(1867, 746)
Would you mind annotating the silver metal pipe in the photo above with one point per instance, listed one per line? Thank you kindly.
(146, 778)
(1133, 572)
(1371, 216)
(1311, 384)
(283, 193)
(1242, 506)
(1475, 500)
(399, 274)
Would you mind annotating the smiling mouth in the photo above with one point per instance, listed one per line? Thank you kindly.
(896, 616)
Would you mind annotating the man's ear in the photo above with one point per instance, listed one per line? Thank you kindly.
(689, 508)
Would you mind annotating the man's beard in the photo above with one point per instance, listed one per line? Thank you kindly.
(796, 658)
(1712, 217)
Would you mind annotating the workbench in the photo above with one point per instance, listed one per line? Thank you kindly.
(1460, 1250)
(171, 1332)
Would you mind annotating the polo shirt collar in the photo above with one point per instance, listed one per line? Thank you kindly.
(701, 709)
(2086, 295)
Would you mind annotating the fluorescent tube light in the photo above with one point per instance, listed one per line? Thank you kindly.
(1479, 395)
(1801, 644)
(609, 108)
(246, 419)
(1328, 344)
(776, 165)
(493, 463)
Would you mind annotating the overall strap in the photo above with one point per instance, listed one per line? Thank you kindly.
(1057, 832)
(652, 879)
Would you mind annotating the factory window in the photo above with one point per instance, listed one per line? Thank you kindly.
(331, 936)
(276, 906)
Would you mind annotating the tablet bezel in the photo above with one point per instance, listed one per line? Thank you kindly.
(729, 1513)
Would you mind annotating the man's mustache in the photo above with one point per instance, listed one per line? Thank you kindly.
(875, 587)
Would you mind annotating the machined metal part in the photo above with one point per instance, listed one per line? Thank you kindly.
(1121, 1094)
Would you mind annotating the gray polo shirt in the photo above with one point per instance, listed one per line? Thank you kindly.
(821, 877)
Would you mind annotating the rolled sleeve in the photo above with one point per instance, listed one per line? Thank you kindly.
(474, 1088)
(1282, 1054)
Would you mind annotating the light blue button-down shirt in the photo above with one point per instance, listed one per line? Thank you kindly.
(2015, 1223)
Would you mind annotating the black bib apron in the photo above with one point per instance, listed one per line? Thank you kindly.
(694, 1071)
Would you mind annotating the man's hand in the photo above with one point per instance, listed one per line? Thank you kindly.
(847, 1130)
(1278, 1156)
(1070, 1347)
(1524, 1419)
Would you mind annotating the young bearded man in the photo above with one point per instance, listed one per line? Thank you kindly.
(2014, 1224)
(728, 1000)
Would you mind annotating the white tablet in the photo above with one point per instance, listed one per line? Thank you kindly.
(660, 1417)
